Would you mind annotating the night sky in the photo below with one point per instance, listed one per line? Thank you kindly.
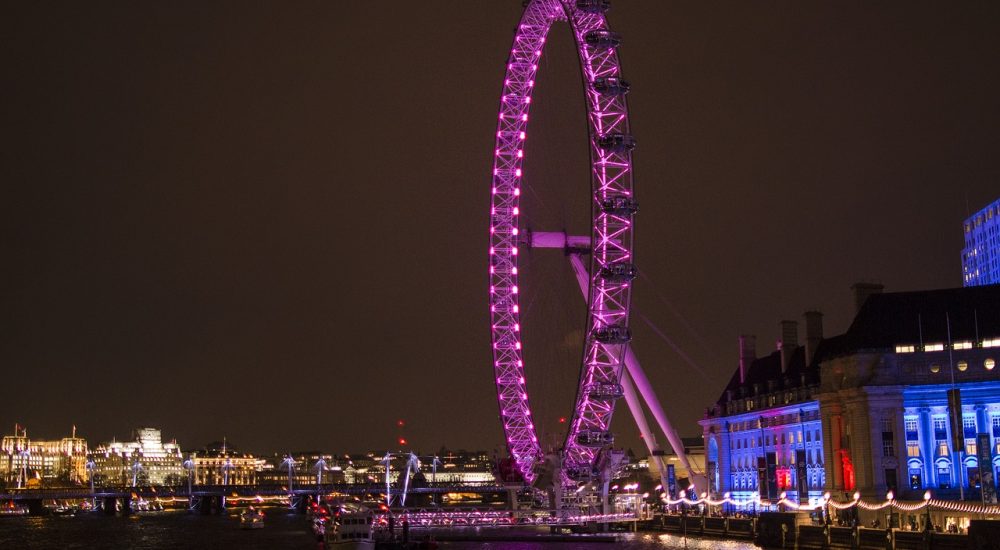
(268, 221)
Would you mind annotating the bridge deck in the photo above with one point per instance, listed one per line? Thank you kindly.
(244, 491)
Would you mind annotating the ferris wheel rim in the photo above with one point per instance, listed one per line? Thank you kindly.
(613, 205)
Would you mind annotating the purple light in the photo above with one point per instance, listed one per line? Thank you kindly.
(612, 236)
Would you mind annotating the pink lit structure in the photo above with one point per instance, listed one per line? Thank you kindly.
(607, 283)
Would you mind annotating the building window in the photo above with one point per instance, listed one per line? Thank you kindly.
(942, 448)
(944, 476)
(934, 347)
(970, 447)
(887, 423)
(905, 349)
(940, 428)
(995, 421)
(888, 444)
(910, 425)
(912, 449)
(969, 426)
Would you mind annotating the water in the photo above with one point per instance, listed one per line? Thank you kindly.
(176, 529)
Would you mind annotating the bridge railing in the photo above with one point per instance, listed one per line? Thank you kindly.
(243, 490)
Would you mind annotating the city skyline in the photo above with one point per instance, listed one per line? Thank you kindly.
(240, 229)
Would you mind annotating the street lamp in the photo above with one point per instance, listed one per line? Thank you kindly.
(189, 466)
(25, 456)
(290, 463)
(927, 508)
(228, 465)
(319, 466)
(91, 467)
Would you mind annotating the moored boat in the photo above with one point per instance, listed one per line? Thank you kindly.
(351, 528)
(252, 519)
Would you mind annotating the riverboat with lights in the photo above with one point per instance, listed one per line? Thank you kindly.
(352, 527)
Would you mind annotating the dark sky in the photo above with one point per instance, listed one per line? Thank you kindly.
(268, 220)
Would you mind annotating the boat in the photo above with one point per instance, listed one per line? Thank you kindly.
(63, 510)
(319, 528)
(350, 528)
(252, 519)
(13, 510)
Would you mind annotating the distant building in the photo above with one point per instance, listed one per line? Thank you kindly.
(59, 462)
(147, 460)
(221, 464)
(694, 449)
(981, 255)
(363, 468)
(459, 467)
(274, 469)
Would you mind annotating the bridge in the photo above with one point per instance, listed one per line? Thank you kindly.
(210, 499)
(207, 498)
(243, 491)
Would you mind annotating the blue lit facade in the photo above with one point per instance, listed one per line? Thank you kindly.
(981, 255)
(771, 442)
(866, 411)
(765, 436)
(930, 461)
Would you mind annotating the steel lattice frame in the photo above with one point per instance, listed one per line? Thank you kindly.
(611, 238)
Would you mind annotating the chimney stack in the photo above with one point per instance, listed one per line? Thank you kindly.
(748, 352)
(814, 333)
(862, 291)
(789, 341)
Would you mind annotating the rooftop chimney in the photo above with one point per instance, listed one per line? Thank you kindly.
(748, 352)
(862, 291)
(789, 341)
(814, 333)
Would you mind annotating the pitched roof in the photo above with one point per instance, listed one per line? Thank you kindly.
(885, 321)
(904, 318)
(767, 368)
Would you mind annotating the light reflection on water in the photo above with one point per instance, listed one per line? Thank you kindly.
(630, 541)
(285, 530)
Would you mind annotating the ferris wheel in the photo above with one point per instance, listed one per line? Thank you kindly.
(606, 282)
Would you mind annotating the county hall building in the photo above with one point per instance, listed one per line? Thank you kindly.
(866, 410)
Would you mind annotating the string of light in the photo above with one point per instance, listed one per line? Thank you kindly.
(826, 500)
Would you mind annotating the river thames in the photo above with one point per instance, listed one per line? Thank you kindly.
(285, 530)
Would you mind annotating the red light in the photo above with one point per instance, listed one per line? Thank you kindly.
(562, 419)
(402, 441)
(400, 423)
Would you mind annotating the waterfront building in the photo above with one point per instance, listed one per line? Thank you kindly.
(763, 435)
(884, 390)
(274, 469)
(981, 255)
(28, 461)
(221, 464)
(694, 448)
(867, 411)
(459, 467)
(360, 468)
(145, 461)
